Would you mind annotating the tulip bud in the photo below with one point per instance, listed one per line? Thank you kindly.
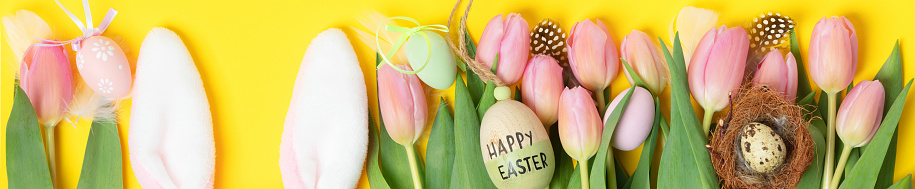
(403, 104)
(635, 123)
(592, 55)
(509, 39)
(580, 126)
(778, 74)
(860, 114)
(833, 54)
(46, 78)
(644, 57)
(541, 87)
(717, 66)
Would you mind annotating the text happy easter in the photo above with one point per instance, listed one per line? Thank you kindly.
(522, 165)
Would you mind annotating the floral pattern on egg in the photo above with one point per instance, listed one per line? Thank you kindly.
(102, 63)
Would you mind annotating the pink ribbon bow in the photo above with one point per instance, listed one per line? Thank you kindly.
(88, 29)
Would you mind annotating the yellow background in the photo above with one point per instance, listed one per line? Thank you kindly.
(248, 53)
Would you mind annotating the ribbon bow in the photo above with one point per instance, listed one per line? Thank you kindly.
(88, 30)
(405, 34)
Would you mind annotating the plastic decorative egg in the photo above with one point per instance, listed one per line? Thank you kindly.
(440, 70)
(762, 148)
(104, 67)
(516, 148)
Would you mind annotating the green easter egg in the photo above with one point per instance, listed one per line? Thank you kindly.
(516, 148)
(439, 72)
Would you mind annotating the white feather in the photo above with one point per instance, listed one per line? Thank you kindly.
(371, 20)
(325, 136)
(21, 30)
(171, 130)
(692, 23)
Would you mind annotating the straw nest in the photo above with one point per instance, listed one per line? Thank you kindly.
(762, 105)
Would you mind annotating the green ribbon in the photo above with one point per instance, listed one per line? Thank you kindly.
(405, 34)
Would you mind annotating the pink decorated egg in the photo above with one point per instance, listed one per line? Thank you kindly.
(104, 67)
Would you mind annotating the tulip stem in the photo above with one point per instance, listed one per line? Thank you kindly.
(601, 107)
(705, 121)
(840, 167)
(830, 141)
(49, 133)
(584, 174)
(411, 156)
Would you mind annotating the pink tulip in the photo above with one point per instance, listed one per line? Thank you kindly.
(580, 126)
(541, 87)
(778, 74)
(860, 114)
(636, 121)
(592, 55)
(46, 78)
(510, 39)
(833, 54)
(644, 56)
(403, 104)
(716, 67)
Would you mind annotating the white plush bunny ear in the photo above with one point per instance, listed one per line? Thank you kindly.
(21, 30)
(171, 131)
(325, 136)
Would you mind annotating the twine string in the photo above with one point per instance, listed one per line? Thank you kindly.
(460, 47)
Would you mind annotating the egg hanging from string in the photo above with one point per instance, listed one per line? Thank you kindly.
(104, 67)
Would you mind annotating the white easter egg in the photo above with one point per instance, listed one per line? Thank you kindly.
(104, 67)
(516, 148)
(762, 148)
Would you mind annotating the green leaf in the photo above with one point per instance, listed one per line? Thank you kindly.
(575, 179)
(471, 48)
(468, 170)
(102, 161)
(373, 172)
(641, 178)
(440, 157)
(905, 183)
(803, 85)
(621, 175)
(814, 173)
(685, 162)
(518, 94)
(26, 163)
(487, 100)
(599, 173)
(864, 174)
(890, 75)
(635, 77)
(665, 128)
(564, 165)
(475, 87)
(474, 83)
(460, 64)
(808, 100)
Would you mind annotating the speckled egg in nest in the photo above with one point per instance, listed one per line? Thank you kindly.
(762, 143)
